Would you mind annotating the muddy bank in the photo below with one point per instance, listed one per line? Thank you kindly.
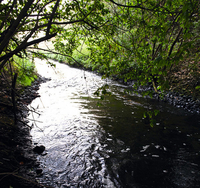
(177, 99)
(18, 166)
(180, 101)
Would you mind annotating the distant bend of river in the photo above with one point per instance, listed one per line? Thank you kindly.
(110, 145)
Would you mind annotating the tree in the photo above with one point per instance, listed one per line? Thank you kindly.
(27, 23)
(145, 40)
(134, 39)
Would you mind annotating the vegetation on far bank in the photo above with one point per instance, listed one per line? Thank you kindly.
(184, 78)
(154, 41)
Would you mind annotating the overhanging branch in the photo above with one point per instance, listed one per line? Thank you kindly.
(11, 31)
(22, 47)
(50, 51)
(52, 16)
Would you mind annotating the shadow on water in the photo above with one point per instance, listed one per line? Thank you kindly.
(165, 156)
(112, 145)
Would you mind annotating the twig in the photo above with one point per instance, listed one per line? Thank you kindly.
(36, 124)
(15, 174)
(34, 120)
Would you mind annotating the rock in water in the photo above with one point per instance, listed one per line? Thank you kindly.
(39, 149)
(38, 171)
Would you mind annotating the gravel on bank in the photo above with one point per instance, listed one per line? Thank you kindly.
(18, 165)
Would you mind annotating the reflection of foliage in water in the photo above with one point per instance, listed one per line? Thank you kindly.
(150, 116)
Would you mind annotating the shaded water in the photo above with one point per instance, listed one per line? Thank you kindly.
(111, 145)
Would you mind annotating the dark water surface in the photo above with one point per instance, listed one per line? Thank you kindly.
(111, 145)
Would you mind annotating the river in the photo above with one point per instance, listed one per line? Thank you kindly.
(107, 143)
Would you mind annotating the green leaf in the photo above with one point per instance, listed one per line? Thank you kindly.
(156, 112)
(197, 87)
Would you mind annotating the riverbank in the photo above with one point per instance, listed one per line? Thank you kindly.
(177, 99)
(87, 143)
(18, 165)
(182, 93)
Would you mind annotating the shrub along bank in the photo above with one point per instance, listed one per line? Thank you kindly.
(184, 80)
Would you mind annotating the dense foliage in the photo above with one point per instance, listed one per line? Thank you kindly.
(151, 41)
(148, 41)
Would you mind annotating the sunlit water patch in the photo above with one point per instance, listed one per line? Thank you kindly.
(111, 144)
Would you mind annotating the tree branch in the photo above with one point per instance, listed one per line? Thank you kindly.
(21, 47)
(54, 53)
(130, 6)
(7, 15)
(175, 41)
(51, 18)
(11, 31)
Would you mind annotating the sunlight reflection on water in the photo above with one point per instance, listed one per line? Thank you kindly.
(110, 145)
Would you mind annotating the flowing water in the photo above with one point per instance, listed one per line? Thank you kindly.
(107, 143)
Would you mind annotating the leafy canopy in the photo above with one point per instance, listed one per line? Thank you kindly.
(145, 40)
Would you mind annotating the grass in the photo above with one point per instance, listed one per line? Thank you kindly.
(25, 69)
(80, 57)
